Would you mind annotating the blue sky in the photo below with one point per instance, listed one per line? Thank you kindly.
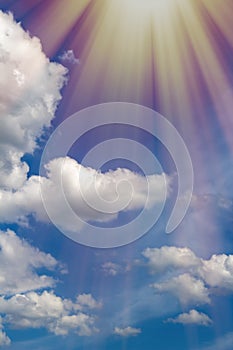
(128, 286)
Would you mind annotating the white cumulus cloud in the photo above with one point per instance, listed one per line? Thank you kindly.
(188, 289)
(164, 258)
(192, 317)
(21, 306)
(29, 92)
(91, 195)
(20, 262)
(218, 271)
(46, 310)
(191, 279)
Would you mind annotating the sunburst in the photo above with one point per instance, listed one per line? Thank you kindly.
(172, 55)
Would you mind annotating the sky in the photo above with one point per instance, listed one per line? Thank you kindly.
(116, 171)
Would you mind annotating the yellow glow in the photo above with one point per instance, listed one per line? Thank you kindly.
(137, 7)
(146, 3)
(159, 53)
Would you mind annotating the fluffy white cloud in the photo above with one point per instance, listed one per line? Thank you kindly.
(186, 288)
(170, 258)
(190, 278)
(23, 202)
(96, 196)
(19, 263)
(22, 307)
(92, 196)
(81, 323)
(46, 310)
(29, 92)
(127, 331)
(192, 317)
(218, 271)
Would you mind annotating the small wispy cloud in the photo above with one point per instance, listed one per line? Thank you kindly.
(222, 343)
(69, 57)
(112, 269)
(127, 331)
(87, 301)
